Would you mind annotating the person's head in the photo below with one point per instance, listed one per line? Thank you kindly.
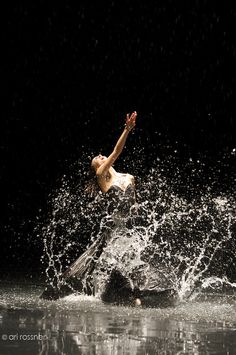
(92, 187)
(97, 162)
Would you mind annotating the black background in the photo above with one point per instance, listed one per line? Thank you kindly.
(72, 71)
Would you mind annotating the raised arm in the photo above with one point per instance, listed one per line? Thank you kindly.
(130, 123)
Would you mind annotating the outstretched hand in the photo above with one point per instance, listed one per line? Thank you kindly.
(130, 120)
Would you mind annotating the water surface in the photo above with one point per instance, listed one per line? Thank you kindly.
(84, 325)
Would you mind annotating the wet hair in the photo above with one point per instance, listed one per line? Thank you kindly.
(91, 187)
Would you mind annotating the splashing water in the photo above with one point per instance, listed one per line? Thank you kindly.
(172, 241)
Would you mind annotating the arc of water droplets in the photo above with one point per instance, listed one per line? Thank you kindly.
(172, 242)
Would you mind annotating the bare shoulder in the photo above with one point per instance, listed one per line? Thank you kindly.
(128, 176)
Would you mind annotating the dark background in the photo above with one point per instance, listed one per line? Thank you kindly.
(72, 71)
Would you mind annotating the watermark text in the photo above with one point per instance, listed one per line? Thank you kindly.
(24, 337)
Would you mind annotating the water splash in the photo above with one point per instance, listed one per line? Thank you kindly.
(172, 241)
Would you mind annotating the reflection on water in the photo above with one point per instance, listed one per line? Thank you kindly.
(84, 325)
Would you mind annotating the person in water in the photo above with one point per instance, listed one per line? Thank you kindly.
(119, 191)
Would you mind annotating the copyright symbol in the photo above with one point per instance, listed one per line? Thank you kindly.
(4, 337)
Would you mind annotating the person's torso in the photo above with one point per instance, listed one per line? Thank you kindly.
(114, 178)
